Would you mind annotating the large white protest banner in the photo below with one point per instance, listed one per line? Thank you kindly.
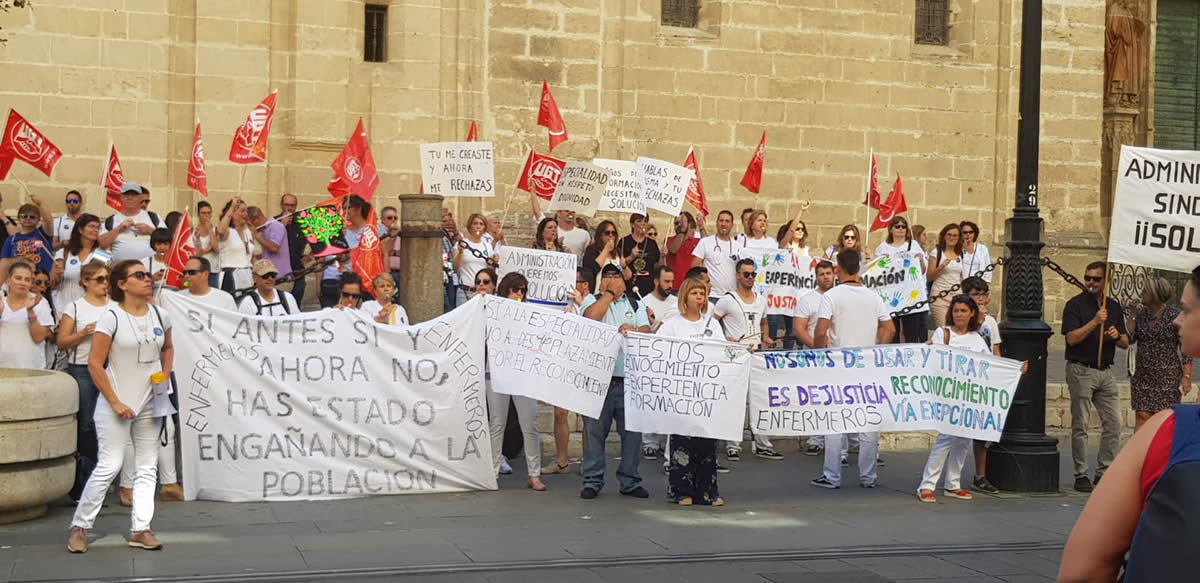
(551, 274)
(899, 387)
(552, 356)
(1156, 211)
(664, 184)
(897, 278)
(580, 188)
(685, 387)
(329, 404)
(458, 169)
(783, 277)
(623, 193)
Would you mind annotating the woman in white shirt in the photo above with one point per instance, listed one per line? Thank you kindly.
(850, 238)
(75, 337)
(975, 255)
(914, 326)
(472, 253)
(514, 286)
(692, 465)
(25, 321)
(206, 243)
(945, 271)
(758, 237)
(130, 360)
(81, 245)
(383, 309)
(236, 246)
(794, 235)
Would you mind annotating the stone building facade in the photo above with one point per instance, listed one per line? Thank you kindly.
(828, 80)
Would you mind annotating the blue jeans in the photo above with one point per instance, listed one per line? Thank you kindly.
(780, 327)
(298, 286)
(595, 431)
(451, 298)
(86, 443)
(214, 280)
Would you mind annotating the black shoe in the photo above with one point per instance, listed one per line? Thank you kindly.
(821, 482)
(983, 485)
(638, 492)
(1083, 484)
(722, 469)
(733, 455)
(649, 453)
(814, 449)
(588, 493)
(1096, 482)
(767, 453)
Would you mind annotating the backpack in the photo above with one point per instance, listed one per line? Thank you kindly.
(117, 321)
(258, 305)
(108, 223)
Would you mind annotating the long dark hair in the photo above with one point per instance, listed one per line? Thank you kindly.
(598, 239)
(908, 236)
(539, 240)
(120, 272)
(508, 282)
(941, 242)
(75, 244)
(973, 324)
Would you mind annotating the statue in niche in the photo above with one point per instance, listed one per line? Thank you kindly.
(1124, 55)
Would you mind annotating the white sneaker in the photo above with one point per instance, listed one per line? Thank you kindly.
(505, 469)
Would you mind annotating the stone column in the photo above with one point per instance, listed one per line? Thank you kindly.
(37, 430)
(421, 287)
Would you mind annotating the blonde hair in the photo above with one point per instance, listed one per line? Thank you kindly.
(383, 277)
(686, 288)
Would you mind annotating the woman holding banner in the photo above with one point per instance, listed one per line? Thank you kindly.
(514, 286)
(383, 309)
(547, 236)
(692, 465)
(945, 271)
(914, 326)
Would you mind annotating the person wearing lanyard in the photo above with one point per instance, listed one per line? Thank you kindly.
(130, 359)
(65, 224)
(383, 309)
(975, 255)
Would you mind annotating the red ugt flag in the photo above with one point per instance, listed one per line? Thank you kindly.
(197, 178)
(354, 169)
(22, 141)
(695, 193)
(550, 118)
(181, 250)
(250, 139)
(473, 134)
(114, 179)
(753, 177)
(895, 205)
(541, 174)
(873, 196)
(367, 257)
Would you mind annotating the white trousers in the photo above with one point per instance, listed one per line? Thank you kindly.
(527, 410)
(868, 452)
(951, 453)
(656, 440)
(111, 434)
(166, 457)
(819, 440)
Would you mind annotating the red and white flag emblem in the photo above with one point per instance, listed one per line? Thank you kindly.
(22, 141)
(354, 169)
(114, 179)
(541, 174)
(250, 139)
(196, 178)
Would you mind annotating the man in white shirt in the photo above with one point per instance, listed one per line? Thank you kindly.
(715, 253)
(804, 327)
(575, 239)
(265, 300)
(127, 234)
(63, 225)
(851, 315)
(195, 281)
(660, 304)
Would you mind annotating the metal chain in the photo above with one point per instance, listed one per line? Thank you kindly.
(317, 267)
(1056, 268)
(477, 253)
(931, 299)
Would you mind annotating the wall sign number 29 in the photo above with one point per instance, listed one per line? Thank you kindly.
(1032, 195)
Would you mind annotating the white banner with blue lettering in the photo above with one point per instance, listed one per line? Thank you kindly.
(894, 387)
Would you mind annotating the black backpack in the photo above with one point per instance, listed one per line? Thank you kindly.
(258, 305)
(108, 223)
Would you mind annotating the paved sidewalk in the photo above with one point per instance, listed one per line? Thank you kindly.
(557, 536)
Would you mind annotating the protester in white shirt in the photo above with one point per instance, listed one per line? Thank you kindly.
(804, 328)
(514, 286)
(350, 291)
(131, 354)
(266, 300)
(235, 247)
(757, 237)
(383, 309)
(851, 315)
(575, 239)
(913, 326)
(197, 282)
(80, 247)
(126, 235)
(977, 289)
(472, 253)
(975, 255)
(26, 321)
(661, 305)
(717, 254)
(64, 224)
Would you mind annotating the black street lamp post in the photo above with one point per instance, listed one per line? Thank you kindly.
(1026, 460)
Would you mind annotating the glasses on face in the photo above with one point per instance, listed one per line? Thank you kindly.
(610, 233)
(100, 279)
(191, 272)
(349, 295)
(139, 275)
(849, 237)
(520, 290)
(480, 282)
(389, 218)
(748, 274)
(30, 217)
(74, 201)
(799, 229)
(968, 232)
(901, 227)
(1093, 278)
(979, 294)
(269, 275)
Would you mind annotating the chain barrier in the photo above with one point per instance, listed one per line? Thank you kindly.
(1046, 262)
(317, 267)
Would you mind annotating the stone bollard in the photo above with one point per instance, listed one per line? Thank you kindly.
(37, 440)
(421, 290)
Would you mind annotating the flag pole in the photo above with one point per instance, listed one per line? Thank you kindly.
(866, 231)
(1103, 304)
(174, 242)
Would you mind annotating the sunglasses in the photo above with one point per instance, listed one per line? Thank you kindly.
(901, 227)
(191, 272)
(849, 237)
(30, 217)
(388, 218)
(480, 282)
(138, 275)
(1093, 278)
(100, 279)
(968, 232)
(74, 200)
(349, 295)
(609, 233)
(521, 290)
(799, 229)
(269, 275)
(747, 274)
(611, 275)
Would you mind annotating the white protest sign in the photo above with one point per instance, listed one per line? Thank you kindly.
(685, 387)
(323, 405)
(580, 189)
(458, 169)
(1156, 211)
(623, 193)
(897, 387)
(782, 276)
(665, 184)
(897, 278)
(549, 355)
(551, 274)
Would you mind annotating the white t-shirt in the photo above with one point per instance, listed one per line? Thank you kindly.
(576, 240)
(741, 320)
(971, 341)
(990, 330)
(69, 289)
(399, 316)
(154, 266)
(976, 262)
(706, 328)
(17, 348)
(274, 307)
(130, 244)
(767, 243)
(719, 258)
(134, 340)
(471, 264)
(808, 307)
(215, 298)
(886, 248)
(854, 313)
(62, 228)
(662, 309)
(84, 313)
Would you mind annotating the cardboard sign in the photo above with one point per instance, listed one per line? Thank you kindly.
(580, 189)
(458, 169)
(1156, 211)
(665, 185)
(624, 192)
(551, 274)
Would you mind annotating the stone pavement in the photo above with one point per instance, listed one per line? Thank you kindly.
(776, 527)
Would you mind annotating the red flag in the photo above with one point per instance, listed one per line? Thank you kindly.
(250, 139)
(473, 134)
(197, 178)
(177, 256)
(114, 179)
(895, 205)
(540, 175)
(367, 257)
(873, 197)
(354, 169)
(550, 118)
(753, 177)
(695, 193)
(24, 142)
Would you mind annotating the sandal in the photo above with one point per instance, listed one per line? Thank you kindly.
(536, 484)
(927, 496)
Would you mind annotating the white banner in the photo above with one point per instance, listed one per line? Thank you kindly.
(783, 277)
(623, 193)
(896, 387)
(329, 404)
(458, 169)
(665, 185)
(685, 387)
(1156, 211)
(897, 278)
(550, 273)
(552, 356)
(580, 189)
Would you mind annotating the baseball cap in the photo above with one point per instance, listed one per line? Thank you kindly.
(263, 267)
(133, 188)
(609, 269)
